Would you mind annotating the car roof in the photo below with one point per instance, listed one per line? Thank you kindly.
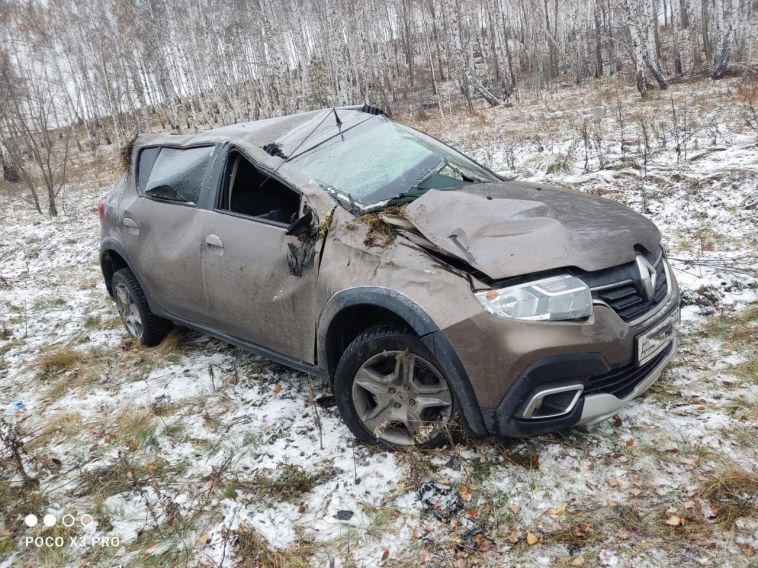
(289, 136)
(287, 132)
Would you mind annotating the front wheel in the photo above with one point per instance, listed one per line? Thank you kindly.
(390, 391)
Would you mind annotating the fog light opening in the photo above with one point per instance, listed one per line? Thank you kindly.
(553, 402)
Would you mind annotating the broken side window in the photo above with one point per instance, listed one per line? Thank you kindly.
(177, 173)
(251, 192)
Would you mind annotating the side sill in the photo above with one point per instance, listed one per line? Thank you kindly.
(265, 352)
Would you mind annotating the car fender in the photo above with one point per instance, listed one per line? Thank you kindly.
(423, 325)
(112, 244)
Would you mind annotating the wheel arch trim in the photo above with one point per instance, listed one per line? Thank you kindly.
(422, 324)
(109, 244)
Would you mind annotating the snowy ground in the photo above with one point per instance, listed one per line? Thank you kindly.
(197, 453)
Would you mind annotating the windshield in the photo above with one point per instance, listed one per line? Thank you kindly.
(381, 161)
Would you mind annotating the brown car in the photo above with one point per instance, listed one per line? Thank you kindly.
(425, 288)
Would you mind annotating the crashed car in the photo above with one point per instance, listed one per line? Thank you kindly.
(431, 293)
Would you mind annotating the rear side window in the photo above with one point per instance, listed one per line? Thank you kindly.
(145, 165)
(173, 174)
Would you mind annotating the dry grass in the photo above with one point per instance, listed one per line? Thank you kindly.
(747, 370)
(122, 475)
(736, 330)
(134, 429)
(58, 361)
(289, 483)
(252, 549)
(733, 492)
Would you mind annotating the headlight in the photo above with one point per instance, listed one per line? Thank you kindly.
(563, 297)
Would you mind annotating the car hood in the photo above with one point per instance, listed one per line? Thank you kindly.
(516, 228)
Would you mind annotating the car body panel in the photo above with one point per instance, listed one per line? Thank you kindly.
(498, 227)
(251, 293)
(435, 287)
(164, 250)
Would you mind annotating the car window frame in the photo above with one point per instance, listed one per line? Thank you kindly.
(219, 188)
(203, 183)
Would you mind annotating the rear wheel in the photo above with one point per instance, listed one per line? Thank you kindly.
(140, 322)
(390, 391)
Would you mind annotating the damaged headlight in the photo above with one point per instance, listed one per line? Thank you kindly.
(563, 297)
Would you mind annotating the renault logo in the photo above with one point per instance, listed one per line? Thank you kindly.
(647, 276)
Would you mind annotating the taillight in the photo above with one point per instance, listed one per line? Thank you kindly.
(101, 210)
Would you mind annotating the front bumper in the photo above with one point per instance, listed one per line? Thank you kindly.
(600, 406)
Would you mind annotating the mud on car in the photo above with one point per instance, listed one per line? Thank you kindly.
(426, 289)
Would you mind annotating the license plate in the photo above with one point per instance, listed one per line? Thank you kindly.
(655, 340)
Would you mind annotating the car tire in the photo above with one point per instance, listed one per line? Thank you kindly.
(384, 355)
(142, 324)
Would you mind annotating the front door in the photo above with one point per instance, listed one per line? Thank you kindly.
(254, 292)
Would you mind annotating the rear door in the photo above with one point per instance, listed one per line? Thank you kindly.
(260, 282)
(162, 227)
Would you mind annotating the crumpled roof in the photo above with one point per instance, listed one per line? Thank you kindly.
(287, 131)
(292, 133)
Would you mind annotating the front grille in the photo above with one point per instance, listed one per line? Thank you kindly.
(627, 299)
(621, 382)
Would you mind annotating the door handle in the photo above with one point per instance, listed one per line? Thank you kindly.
(130, 225)
(215, 245)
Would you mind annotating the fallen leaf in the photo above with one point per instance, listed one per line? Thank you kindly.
(674, 521)
(514, 537)
(558, 510)
(465, 493)
(747, 550)
(203, 538)
(532, 538)
(610, 502)
(472, 512)
(635, 492)
(711, 511)
(613, 482)
(277, 388)
(689, 504)
(514, 508)
(630, 442)
(578, 561)
(586, 527)
(302, 508)
(385, 554)
(623, 534)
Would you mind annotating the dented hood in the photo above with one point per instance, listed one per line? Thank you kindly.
(515, 228)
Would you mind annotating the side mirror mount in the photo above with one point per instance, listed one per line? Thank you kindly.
(303, 226)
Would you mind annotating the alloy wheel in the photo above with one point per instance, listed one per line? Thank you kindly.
(402, 398)
(127, 307)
